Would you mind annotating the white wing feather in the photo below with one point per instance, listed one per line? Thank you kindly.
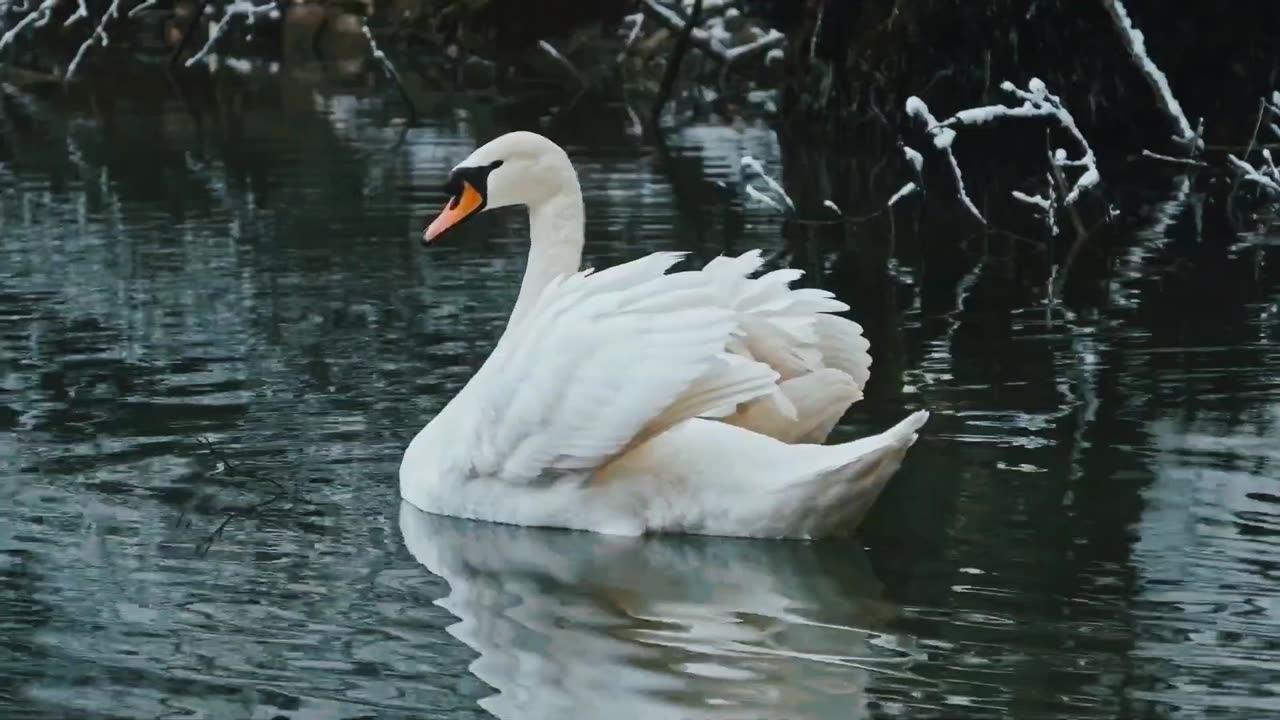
(793, 331)
(606, 360)
(602, 360)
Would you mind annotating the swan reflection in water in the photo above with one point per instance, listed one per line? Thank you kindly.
(571, 624)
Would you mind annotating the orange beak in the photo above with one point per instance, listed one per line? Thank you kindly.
(459, 208)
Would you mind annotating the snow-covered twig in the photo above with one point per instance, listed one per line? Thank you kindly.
(1136, 45)
(943, 137)
(1274, 108)
(1037, 101)
(903, 191)
(239, 8)
(1172, 159)
(755, 194)
(671, 20)
(753, 164)
(637, 22)
(145, 5)
(769, 40)
(99, 34)
(389, 69)
(914, 157)
(36, 18)
(555, 55)
(1267, 177)
(1046, 203)
(1039, 201)
(81, 12)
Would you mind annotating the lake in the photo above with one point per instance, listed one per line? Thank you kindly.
(218, 332)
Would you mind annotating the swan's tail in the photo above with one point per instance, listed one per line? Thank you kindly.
(850, 479)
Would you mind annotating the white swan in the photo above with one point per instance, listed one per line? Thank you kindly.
(634, 400)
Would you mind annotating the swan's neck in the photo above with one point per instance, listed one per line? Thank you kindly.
(555, 246)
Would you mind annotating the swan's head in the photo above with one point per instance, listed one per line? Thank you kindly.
(519, 168)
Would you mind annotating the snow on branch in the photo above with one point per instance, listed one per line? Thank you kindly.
(81, 12)
(903, 191)
(389, 69)
(1137, 47)
(1274, 107)
(751, 163)
(672, 21)
(1047, 203)
(1267, 176)
(36, 18)
(145, 5)
(99, 33)
(1037, 102)
(550, 51)
(943, 137)
(769, 40)
(239, 8)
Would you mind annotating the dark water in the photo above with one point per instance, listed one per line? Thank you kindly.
(1088, 527)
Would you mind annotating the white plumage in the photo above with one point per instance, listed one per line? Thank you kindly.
(636, 400)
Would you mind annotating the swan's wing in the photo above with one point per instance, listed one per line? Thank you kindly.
(793, 331)
(601, 361)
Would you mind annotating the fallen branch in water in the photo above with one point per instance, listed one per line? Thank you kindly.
(233, 471)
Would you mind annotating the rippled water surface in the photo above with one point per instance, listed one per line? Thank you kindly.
(217, 334)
